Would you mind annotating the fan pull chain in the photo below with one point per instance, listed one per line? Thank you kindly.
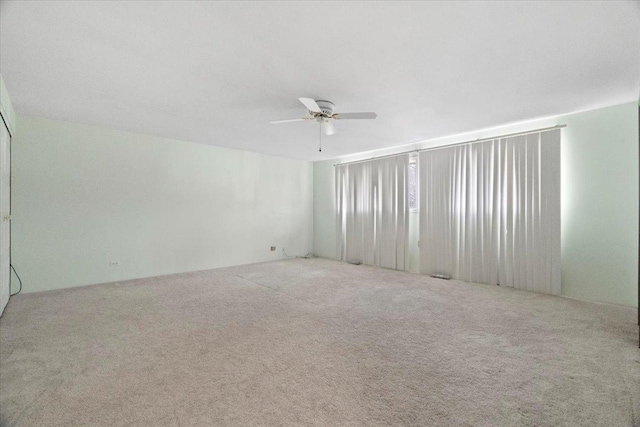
(320, 145)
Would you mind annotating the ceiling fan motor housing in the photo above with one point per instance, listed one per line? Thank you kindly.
(327, 107)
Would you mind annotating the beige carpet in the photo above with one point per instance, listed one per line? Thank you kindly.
(315, 342)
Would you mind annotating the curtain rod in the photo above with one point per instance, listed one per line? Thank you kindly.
(439, 147)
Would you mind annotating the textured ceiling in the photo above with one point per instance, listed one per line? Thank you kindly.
(218, 72)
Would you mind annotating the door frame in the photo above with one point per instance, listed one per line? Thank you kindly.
(5, 123)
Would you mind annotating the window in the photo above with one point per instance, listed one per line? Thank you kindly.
(413, 185)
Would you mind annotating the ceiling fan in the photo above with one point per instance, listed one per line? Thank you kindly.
(323, 113)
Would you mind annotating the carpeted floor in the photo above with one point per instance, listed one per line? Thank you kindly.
(315, 342)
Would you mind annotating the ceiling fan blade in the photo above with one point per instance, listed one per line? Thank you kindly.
(310, 104)
(277, 122)
(328, 128)
(352, 116)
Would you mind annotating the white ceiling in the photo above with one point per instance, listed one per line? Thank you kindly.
(218, 72)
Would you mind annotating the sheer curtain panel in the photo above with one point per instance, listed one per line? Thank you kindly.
(490, 212)
(372, 212)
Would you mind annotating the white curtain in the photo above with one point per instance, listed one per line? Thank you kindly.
(372, 212)
(490, 212)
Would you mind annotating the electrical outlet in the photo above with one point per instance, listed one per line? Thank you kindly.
(273, 248)
(114, 263)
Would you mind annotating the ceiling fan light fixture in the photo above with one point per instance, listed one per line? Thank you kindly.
(328, 127)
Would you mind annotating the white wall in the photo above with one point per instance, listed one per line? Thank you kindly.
(600, 205)
(599, 200)
(324, 209)
(6, 107)
(84, 196)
